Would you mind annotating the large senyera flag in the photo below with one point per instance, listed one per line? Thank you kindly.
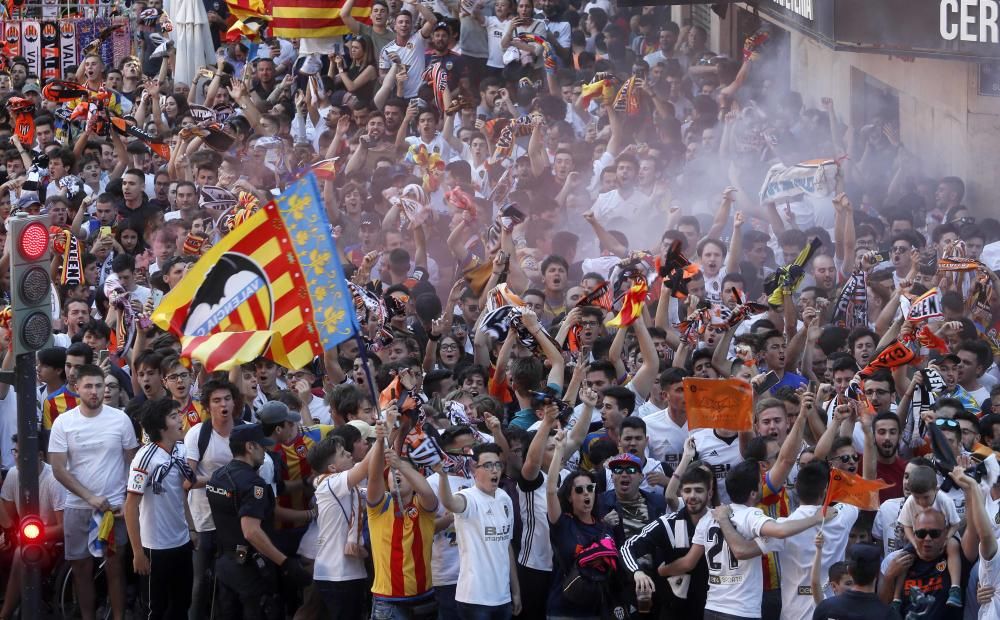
(302, 19)
(271, 287)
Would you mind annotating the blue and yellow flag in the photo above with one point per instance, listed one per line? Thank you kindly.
(273, 286)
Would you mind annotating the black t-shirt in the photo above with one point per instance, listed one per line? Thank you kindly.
(852, 605)
(932, 578)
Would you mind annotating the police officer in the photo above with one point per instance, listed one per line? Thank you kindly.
(242, 507)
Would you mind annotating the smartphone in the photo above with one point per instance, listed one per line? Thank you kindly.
(770, 380)
(101, 356)
(105, 231)
(813, 386)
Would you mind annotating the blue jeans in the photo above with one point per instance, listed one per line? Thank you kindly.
(445, 595)
(468, 611)
(390, 610)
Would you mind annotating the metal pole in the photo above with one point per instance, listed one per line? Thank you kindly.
(27, 469)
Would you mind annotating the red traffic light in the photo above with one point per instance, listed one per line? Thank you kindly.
(34, 241)
(32, 529)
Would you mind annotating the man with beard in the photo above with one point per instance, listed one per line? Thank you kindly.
(669, 537)
(890, 467)
(90, 449)
(824, 272)
(372, 145)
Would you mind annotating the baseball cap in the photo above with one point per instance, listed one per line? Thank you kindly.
(250, 432)
(367, 430)
(27, 201)
(624, 459)
(368, 220)
(276, 412)
(31, 87)
(442, 25)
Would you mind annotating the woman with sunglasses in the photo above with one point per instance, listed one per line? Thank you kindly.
(572, 511)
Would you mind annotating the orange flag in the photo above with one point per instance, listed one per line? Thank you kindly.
(718, 403)
(893, 356)
(854, 490)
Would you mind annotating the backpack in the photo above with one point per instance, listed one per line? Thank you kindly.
(589, 572)
(204, 436)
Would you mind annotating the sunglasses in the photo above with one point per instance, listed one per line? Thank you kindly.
(588, 488)
(946, 422)
(625, 469)
(847, 458)
(921, 534)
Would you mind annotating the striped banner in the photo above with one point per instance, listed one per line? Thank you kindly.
(313, 19)
(272, 287)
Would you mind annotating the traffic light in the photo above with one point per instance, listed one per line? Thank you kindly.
(30, 282)
(32, 532)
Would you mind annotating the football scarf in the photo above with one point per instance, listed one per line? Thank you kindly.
(68, 246)
(851, 309)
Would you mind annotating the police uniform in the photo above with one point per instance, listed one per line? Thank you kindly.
(248, 580)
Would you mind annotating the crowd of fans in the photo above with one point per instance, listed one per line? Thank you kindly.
(502, 181)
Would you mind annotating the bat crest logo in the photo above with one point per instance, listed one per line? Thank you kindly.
(236, 296)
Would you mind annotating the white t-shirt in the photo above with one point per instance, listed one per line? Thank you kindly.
(216, 455)
(410, 55)
(444, 551)
(886, 526)
(910, 510)
(161, 515)
(993, 511)
(536, 549)
(495, 29)
(339, 510)
(8, 427)
(989, 575)
(95, 452)
(51, 493)
(734, 586)
(484, 531)
(666, 439)
(721, 455)
(796, 558)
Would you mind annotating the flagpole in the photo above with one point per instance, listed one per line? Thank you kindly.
(363, 353)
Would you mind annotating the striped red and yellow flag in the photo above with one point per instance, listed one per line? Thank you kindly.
(313, 19)
(272, 286)
(242, 9)
(58, 403)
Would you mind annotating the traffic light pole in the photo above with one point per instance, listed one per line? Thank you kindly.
(27, 469)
